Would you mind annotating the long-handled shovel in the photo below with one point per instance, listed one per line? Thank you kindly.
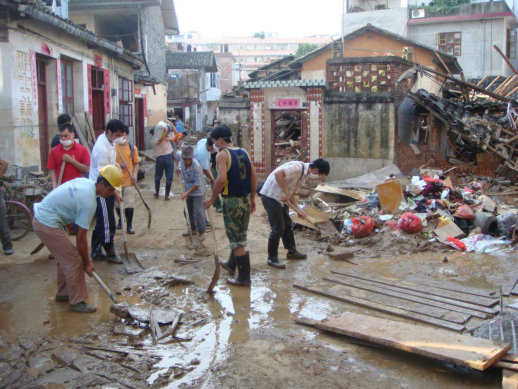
(60, 178)
(130, 260)
(215, 276)
(104, 287)
(186, 213)
(139, 193)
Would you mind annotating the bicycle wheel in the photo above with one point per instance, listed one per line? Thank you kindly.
(19, 219)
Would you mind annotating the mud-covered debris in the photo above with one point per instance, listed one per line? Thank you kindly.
(142, 314)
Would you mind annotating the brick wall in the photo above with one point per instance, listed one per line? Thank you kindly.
(224, 62)
(406, 159)
(153, 28)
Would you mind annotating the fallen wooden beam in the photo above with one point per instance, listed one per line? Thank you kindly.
(465, 350)
(386, 309)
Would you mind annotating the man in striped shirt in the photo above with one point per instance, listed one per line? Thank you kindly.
(279, 189)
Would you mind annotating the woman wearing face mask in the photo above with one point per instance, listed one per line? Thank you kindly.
(75, 155)
(277, 190)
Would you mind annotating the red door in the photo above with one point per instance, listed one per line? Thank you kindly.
(98, 112)
(42, 112)
(139, 124)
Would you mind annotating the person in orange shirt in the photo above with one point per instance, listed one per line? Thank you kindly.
(131, 159)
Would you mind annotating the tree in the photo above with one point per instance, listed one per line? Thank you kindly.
(259, 35)
(305, 48)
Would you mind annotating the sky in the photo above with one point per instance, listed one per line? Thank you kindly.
(242, 18)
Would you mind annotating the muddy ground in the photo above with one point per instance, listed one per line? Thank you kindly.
(240, 337)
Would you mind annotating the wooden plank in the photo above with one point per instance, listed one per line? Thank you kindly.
(80, 135)
(435, 290)
(506, 365)
(509, 357)
(396, 302)
(386, 309)
(90, 126)
(472, 307)
(353, 194)
(508, 287)
(386, 291)
(465, 350)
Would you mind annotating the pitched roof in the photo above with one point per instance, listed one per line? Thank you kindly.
(38, 11)
(450, 60)
(192, 60)
(280, 62)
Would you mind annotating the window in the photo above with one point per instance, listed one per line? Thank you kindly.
(125, 101)
(213, 80)
(511, 44)
(450, 42)
(67, 86)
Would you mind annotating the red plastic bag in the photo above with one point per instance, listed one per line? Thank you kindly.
(430, 180)
(458, 244)
(464, 212)
(410, 223)
(362, 226)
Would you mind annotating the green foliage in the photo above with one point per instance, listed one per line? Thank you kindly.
(441, 7)
(259, 35)
(305, 48)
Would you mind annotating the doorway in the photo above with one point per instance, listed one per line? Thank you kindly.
(139, 124)
(287, 137)
(43, 120)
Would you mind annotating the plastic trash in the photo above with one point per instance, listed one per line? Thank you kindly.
(464, 212)
(410, 223)
(362, 226)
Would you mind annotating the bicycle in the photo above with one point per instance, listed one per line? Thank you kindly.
(19, 219)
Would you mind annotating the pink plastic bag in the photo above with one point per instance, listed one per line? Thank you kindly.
(410, 223)
(464, 212)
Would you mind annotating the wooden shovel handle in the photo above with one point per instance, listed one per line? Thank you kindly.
(104, 287)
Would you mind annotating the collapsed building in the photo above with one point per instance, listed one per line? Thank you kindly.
(369, 101)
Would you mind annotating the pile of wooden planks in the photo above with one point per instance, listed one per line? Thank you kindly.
(86, 135)
(445, 305)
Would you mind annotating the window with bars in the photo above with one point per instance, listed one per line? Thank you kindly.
(67, 86)
(126, 101)
(213, 80)
(450, 42)
(511, 44)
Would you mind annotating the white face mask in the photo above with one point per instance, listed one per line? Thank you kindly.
(120, 141)
(67, 143)
(215, 148)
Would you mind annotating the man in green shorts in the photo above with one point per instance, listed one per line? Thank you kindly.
(237, 183)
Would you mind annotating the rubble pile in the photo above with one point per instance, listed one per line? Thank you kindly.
(476, 127)
(405, 215)
(287, 133)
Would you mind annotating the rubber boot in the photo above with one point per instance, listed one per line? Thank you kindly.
(167, 190)
(96, 249)
(157, 189)
(273, 259)
(119, 224)
(243, 268)
(129, 220)
(230, 265)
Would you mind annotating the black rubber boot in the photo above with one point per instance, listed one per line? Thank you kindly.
(119, 224)
(243, 268)
(129, 220)
(167, 190)
(97, 253)
(230, 265)
(273, 259)
(157, 189)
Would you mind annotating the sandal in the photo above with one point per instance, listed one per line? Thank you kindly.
(82, 307)
(60, 299)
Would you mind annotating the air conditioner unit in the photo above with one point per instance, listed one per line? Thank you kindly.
(418, 13)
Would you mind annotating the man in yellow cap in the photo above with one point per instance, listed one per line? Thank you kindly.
(73, 202)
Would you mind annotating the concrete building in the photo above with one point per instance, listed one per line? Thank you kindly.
(139, 26)
(193, 87)
(467, 31)
(49, 66)
(249, 53)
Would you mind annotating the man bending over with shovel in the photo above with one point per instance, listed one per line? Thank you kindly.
(73, 202)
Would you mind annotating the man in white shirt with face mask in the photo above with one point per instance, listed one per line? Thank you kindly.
(104, 154)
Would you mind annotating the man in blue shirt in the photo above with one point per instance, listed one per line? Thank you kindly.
(73, 202)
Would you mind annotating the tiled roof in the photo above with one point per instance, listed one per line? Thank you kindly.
(38, 11)
(192, 60)
(283, 84)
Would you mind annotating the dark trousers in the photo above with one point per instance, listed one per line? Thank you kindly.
(5, 233)
(104, 230)
(281, 226)
(164, 163)
(196, 213)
